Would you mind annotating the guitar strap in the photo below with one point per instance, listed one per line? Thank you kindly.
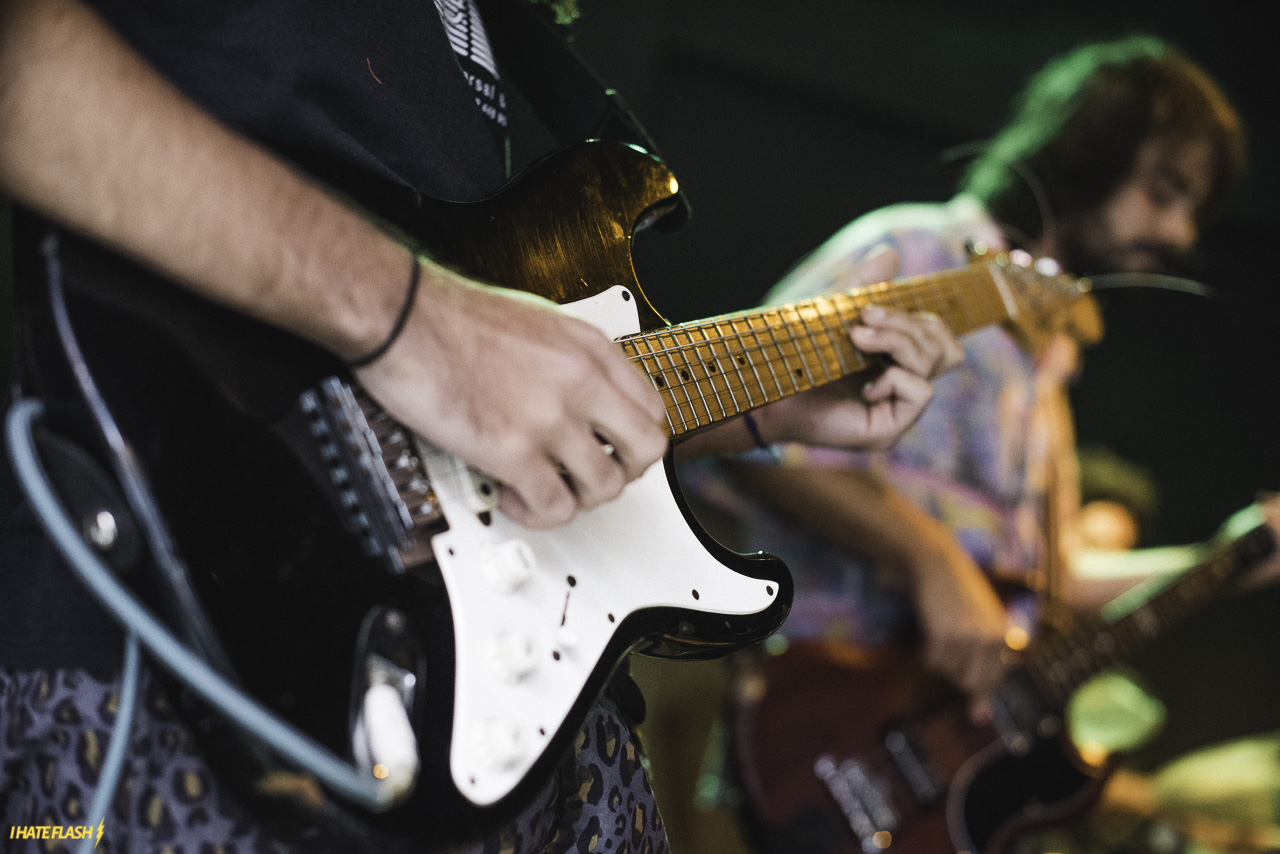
(567, 95)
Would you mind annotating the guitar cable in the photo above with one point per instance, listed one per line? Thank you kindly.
(205, 671)
(142, 627)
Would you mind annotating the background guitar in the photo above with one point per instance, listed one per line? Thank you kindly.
(842, 751)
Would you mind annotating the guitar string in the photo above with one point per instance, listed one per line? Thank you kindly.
(937, 301)
(830, 354)
(936, 296)
(1130, 631)
(711, 343)
(921, 298)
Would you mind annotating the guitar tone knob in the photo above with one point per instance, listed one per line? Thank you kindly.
(508, 565)
(514, 656)
(500, 744)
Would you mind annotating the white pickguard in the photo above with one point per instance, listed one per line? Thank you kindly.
(533, 610)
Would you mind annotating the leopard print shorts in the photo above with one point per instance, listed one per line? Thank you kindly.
(54, 729)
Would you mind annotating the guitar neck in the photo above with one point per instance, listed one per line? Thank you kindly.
(1062, 665)
(711, 370)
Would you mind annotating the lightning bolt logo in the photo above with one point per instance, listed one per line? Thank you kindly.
(99, 839)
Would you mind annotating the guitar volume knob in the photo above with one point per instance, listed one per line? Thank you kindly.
(508, 565)
(500, 744)
(514, 656)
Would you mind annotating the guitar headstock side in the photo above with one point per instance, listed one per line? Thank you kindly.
(1042, 301)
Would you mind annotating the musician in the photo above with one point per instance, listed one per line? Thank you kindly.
(1116, 155)
(152, 129)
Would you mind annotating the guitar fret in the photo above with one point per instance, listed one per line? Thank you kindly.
(687, 374)
(675, 372)
(804, 373)
(737, 362)
(802, 342)
(782, 355)
(837, 338)
(693, 346)
(817, 347)
(714, 366)
(747, 353)
(669, 389)
(769, 362)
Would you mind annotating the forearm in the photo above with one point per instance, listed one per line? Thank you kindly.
(851, 509)
(93, 138)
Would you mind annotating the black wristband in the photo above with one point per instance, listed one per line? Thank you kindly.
(401, 319)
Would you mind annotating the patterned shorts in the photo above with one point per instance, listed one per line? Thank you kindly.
(54, 728)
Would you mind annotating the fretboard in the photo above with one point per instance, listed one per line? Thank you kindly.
(711, 370)
(1061, 666)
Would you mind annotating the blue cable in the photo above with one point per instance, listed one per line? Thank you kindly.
(113, 765)
(241, 709)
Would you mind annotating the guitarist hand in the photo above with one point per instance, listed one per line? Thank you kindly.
(522, 391)
(854, 413)
(512, 386)
(961, 618)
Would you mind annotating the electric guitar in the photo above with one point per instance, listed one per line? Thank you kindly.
(338, 555)
(843, 751)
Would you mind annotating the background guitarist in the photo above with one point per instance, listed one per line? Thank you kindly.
(1115, 156)
(150, 129)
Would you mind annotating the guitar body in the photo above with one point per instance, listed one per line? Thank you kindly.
(331, 548)
(846, 752)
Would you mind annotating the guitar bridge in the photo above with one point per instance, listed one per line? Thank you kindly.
(380, 483)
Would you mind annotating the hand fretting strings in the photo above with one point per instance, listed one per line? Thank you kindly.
(714, 369)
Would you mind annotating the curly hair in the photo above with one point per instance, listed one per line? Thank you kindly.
(1078, 124)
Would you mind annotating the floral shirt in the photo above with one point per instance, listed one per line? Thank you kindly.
(970, 461)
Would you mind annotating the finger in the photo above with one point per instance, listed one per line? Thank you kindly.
(893, 403)
(538, 497)
(593, 471)
(626, 377)
(638, 441)
(900, 385)
(635, 440)
(923, 343)
(898, 336)
(940, 338)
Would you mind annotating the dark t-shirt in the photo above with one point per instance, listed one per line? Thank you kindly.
(374, 83)
(384, 86)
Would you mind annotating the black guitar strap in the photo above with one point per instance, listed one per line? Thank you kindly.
(567, 95)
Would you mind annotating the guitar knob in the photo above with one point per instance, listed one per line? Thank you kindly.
(508, 565)
(500, 744)
(479, 491)
(514, 656)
